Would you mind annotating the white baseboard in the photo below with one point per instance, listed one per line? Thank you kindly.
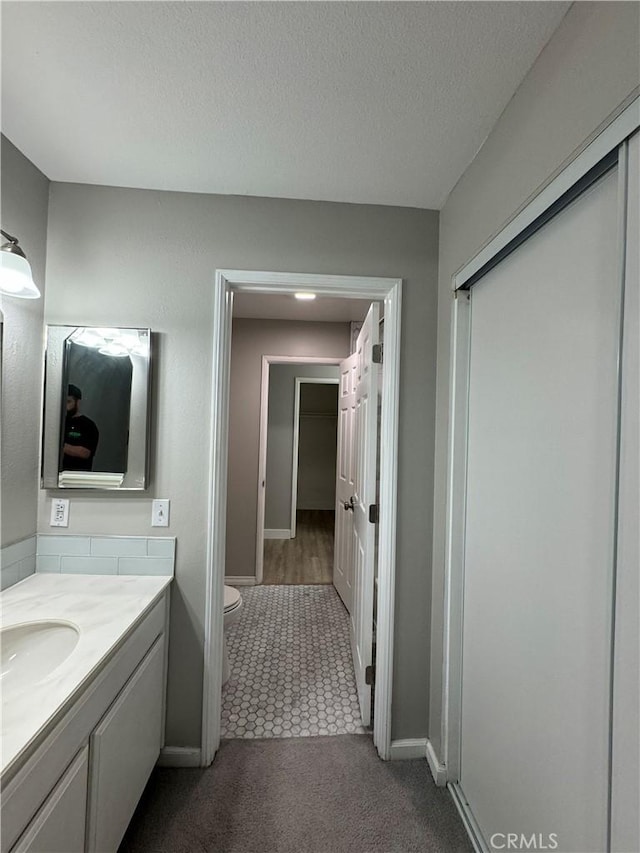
(277, 533)
(438, 770)
(470, 823)
(179, 756)
(240, 580)
(410, 748)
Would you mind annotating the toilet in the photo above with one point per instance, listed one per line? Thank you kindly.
(232, 608)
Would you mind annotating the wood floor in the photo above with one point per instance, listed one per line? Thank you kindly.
(306, 559)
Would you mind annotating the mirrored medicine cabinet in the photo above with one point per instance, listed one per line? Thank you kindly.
(95, 426)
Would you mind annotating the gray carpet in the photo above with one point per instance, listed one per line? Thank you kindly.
(297, 795)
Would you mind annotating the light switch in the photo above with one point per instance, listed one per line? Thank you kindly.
(160, 513)
(59, 512)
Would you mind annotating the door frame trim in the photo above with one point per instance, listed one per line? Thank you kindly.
(267, 361)
(388, 290)
(301, 380)
(622, 124)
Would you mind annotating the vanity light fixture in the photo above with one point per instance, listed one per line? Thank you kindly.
(114, 342)
(305, 296)
(113, 349)
(15, 271)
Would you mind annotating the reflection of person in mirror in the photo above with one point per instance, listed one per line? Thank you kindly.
(80, 435)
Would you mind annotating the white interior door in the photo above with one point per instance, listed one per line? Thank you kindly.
(345, 482)
(364, 495)
(540, 527)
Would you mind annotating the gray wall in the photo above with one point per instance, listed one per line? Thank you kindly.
(280, 428)
(588, 67)
(25, 199)
(147, 258)
(317, 446)
(251, 339)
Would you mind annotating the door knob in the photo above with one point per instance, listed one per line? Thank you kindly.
(348, 504)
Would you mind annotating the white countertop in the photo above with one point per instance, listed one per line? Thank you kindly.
(103, 607)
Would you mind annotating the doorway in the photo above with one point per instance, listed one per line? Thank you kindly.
(291, 671)
(296, 655)
(226, 285)
(277, 484)
(302, 552)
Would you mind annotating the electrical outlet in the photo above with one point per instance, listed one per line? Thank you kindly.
(160, 513)
(59, 512)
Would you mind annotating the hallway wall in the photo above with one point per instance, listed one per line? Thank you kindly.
(280, 433)
(318, 446)
(250, 340)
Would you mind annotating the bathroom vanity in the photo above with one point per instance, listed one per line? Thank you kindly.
(83, 707)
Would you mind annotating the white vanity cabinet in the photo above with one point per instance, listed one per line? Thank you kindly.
(78, 788)
(124, 749)
(59, 826)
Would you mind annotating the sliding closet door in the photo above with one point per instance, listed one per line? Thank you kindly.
(625, 821)
(540, 526)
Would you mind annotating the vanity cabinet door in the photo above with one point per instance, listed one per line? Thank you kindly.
(59, 825)
(124, 749)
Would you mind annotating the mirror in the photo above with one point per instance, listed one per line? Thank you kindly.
(96, 408)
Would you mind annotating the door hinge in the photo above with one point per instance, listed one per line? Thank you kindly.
(377, 353)
(373, 513)
(369, 675)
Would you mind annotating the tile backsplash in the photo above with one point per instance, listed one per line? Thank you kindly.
(87, 555)
(17, 561)
(106, 555)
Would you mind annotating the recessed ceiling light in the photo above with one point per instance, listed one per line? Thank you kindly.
(307, 296)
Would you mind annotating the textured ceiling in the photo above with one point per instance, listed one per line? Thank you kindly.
(276, 307)
(383, 103)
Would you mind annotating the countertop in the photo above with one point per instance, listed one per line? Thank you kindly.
(104, 607)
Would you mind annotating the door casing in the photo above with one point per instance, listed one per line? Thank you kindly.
(388, 290)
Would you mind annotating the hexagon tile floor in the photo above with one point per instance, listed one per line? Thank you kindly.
(291, 668)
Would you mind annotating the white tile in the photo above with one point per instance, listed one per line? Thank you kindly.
(161, 547)
(27, 566)
(89, 565)
(18, 551)
(64, 545)
(145, 566)
(291, 666)
(47, 563)
(9, 575)
(119, 546)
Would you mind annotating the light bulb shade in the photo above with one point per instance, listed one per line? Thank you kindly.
(15, 276)
(114, 349)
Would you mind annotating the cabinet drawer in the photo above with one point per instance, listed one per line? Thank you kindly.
(59, 826)
(123, 751)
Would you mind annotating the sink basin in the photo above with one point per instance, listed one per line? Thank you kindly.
(32, 650)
